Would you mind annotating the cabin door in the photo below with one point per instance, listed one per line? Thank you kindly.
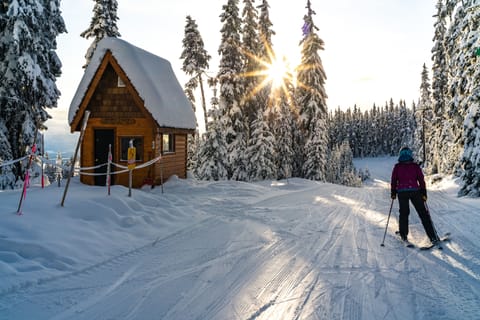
(103, 138)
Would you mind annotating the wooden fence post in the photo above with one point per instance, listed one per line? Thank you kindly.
(72, 167)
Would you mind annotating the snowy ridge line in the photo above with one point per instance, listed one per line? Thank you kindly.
(10, 162)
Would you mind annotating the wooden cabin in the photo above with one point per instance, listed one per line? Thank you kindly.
(131, 95)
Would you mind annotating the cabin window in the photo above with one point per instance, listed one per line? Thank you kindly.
(120, 82)
(168, 143)
(125, 144)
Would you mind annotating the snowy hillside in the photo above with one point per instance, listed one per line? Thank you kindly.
(293, 249)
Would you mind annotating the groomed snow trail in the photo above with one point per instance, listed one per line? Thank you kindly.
(279, 250)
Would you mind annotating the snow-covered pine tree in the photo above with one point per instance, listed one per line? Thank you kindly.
(311, 75)
(459, 70)
(333, 173)
(251, 67)
(315, 166)
(212, 152)
(424, 137)
(29, 67)
(102, 25)
(470, 160)
(231, 88)
(261, 151)
(266, 96)
(355, 142)
(407, 125)
(195, 63)
(366, 135)
(284, 123)
(311, 98)
(348, 175)
(265, 54)
(7, 176)
(439, 137)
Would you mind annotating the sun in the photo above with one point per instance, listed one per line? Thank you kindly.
(272, 73)
(277, 72)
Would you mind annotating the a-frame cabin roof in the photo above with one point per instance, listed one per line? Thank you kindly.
(151, 76)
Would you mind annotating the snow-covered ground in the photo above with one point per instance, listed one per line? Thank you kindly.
(293, 249)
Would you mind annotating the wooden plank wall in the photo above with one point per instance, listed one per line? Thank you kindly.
(114, 107)
(172, 163)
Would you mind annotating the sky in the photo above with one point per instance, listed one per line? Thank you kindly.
(289, 249)
(374, 49)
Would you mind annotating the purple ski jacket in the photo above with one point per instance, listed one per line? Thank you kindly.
(407, 176)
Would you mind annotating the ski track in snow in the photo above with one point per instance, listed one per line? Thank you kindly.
(303, 251)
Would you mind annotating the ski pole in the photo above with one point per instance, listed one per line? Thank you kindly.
(430, 216)
(386, 227)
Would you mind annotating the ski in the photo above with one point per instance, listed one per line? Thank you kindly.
(438, 245)
(406, 243)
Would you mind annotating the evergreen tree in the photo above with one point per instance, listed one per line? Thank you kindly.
(407, 126)
(311, 99)
(424, 116)
(470, 160)
(285, 129)
(459, 69)
(445, 128)
(251, 68)
(265, 54)
(342, 170)
(231, 87)
(439, 65)
(29, 67)
(261, 151)
(315, 166)
(311, 75)
(102, 25)
(212, 152)
(284, 142)
(265, 30)
(193, 141)
(195, 63)
(7, 172)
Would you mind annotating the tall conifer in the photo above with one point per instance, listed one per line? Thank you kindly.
(231, 88)
(311, 97)
(29, 67)
(103, 24)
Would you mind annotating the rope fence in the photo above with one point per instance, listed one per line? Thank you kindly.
(10, 162)
(32, 157)
(81, 170)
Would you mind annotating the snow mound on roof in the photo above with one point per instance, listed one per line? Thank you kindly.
(152, 77)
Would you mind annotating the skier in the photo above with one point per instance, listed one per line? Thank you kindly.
(409, 184)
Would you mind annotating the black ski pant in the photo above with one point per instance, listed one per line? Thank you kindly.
(415, 197)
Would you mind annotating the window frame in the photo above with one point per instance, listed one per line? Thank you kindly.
(170, 144)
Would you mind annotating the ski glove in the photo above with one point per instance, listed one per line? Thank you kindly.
(424, 194)
(393, 194)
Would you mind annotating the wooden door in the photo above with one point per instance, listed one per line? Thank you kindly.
(103, 138)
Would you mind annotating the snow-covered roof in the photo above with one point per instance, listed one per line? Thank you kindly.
(151, 76)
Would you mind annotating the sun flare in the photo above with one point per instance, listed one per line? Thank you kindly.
(272, 73)
(277, 72)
